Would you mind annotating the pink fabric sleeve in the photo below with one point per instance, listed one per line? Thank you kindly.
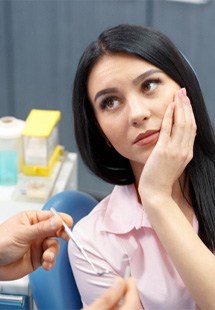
(90, 284)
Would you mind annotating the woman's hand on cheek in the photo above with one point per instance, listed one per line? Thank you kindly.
(174, 148)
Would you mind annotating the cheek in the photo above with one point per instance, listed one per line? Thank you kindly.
(114, 132)
(112, 126)
(165, 102)
(163, 110)
(160, 109)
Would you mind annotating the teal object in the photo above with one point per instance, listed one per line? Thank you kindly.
(8, 167)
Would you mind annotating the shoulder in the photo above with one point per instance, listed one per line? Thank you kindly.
(104, 218)
(95, 218)
(121, 197)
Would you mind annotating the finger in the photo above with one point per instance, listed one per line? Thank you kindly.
(184, 127)
(51, 250)
(44, 229)
(36, 254)
(66, 218)
(110, 298)
(167, 123)
(192, 130)
(50, 227)
(36, 216)
(131, 298)
(179, 126)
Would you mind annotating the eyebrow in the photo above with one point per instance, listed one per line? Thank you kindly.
(136, 81)
(145, 75)
(104, 92)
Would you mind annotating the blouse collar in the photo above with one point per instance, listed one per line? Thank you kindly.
(123, 211)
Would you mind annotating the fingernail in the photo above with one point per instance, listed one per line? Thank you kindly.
(49, 266)
(183, 91)
(52, 256)
(54, 221)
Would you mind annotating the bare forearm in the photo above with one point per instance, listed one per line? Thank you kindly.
(194, 262)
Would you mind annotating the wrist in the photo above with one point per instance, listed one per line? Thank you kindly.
(152, 196)
(155, 200)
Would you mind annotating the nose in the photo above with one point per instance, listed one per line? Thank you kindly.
(138, 112)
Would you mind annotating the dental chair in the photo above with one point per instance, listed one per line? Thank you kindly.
(56, 289)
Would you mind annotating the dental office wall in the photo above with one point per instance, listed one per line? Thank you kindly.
(41, 42)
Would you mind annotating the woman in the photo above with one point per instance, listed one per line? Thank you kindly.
(141, 124)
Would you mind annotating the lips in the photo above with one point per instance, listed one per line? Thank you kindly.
(146, 137)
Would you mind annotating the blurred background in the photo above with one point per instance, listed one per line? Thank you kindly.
(41, 42)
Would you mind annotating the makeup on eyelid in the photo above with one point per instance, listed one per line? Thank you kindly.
(111, 99)
(142, 78)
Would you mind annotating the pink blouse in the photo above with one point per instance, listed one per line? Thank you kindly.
(117, 233)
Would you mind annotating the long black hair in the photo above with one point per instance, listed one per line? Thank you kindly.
(157, 49)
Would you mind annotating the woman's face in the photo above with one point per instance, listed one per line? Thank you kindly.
(130, 97)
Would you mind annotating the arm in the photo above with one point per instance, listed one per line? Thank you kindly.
(194, 262)
(26, 242)
(90, 285)
(101, 250)
(122, 294)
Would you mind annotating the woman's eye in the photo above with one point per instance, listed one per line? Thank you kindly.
(150, 85)
(110, 103)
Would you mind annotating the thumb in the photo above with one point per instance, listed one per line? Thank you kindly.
(45, 228)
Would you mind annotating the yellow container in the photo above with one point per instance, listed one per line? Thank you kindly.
(40, 139)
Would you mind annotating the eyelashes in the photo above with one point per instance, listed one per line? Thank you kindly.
(111, 102)
(149, 85)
